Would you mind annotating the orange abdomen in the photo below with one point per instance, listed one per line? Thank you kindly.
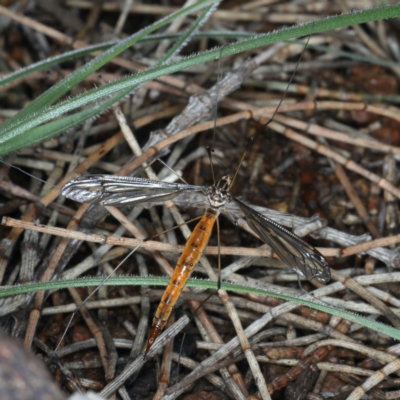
(184, 267)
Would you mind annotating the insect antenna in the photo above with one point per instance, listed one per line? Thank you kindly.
(251, 140)
(216, 102)
(209, 151)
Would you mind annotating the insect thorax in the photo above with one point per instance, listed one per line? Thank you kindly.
(220, 193)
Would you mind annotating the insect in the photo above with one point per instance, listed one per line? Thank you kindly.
(110, 190)
(113, 190)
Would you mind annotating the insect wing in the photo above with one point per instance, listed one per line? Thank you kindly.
(303, 258)
(113, 190)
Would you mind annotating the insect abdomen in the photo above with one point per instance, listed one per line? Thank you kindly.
(184, 267)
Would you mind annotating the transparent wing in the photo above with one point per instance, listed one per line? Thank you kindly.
(112, 190)
(297, 254)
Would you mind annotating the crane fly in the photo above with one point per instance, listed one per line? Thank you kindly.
(119, 191)
(110, 190)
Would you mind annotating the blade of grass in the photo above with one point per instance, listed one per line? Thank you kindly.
(126, 84)
(66, 84)
(204, 284)
(51, 129)
(82, 52)
(156, 72)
